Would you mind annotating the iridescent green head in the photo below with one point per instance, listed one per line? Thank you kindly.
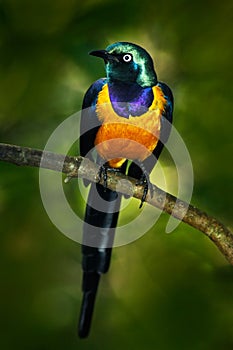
(128, 62)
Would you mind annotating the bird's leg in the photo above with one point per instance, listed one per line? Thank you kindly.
(145, 182)
(103, 173)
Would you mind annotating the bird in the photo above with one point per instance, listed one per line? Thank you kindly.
(126, 120)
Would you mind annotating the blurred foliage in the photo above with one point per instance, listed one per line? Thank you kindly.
(163, 291)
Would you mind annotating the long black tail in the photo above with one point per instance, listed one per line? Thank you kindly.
(98, 235)
(90, 286)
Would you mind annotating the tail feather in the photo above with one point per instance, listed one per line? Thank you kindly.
(90, 286)
(98, 236)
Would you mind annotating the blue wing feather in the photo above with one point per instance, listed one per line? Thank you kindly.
(89, 121)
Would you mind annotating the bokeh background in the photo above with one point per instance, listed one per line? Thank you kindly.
(164, 291)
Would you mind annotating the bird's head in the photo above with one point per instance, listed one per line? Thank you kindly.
(128, 62)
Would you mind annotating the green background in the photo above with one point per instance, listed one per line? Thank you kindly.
(163, 291)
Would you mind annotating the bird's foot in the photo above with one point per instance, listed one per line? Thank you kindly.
(103, 174)
(145, 182)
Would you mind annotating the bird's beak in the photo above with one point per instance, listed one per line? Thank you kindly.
(105, 55)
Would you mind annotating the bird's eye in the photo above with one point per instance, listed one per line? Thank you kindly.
(127, 58)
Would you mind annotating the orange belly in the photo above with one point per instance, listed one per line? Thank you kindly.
(132, 138)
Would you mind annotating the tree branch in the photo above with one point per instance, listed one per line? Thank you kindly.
(82, 167)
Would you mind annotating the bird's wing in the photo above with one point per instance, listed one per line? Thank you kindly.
(167, 114)
(89, 121)
(166, 124)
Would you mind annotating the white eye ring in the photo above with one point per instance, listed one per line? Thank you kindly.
(127, 58)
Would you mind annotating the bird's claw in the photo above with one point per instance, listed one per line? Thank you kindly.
(103, 174)
(144, 181)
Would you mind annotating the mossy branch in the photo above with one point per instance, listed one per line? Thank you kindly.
(82, 167)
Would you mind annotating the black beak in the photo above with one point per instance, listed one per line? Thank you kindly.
(104, 54)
